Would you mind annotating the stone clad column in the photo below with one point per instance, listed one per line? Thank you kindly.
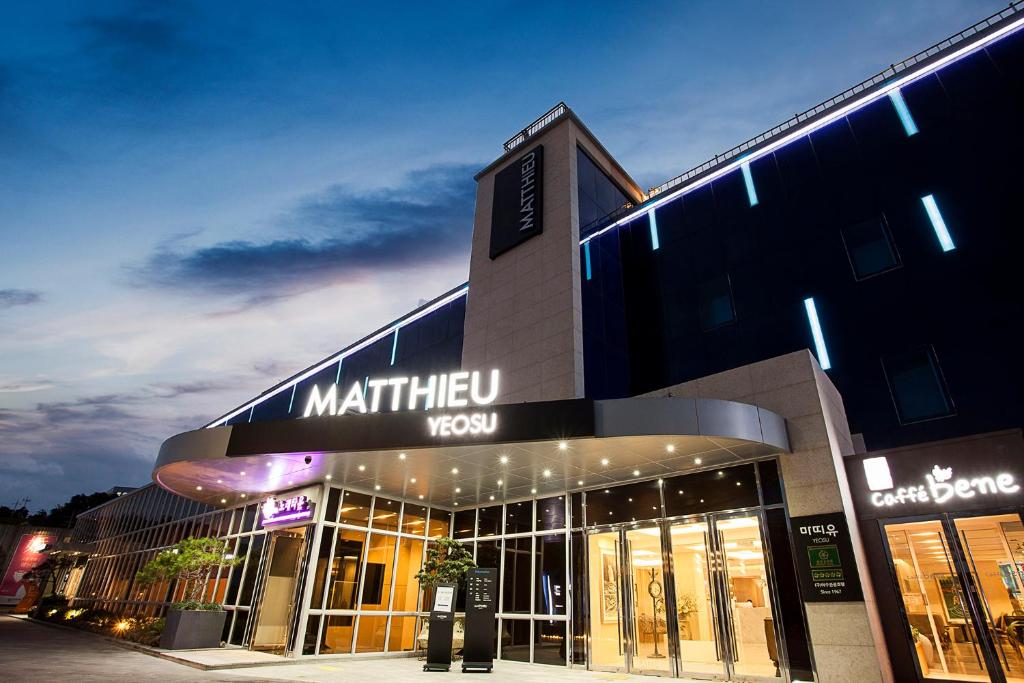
(523, 313)
(846, 639)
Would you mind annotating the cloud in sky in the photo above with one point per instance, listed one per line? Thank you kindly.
(426, 219)
(19, 297)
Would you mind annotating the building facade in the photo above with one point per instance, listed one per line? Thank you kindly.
(762, 422)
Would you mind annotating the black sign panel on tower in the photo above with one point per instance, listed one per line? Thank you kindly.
(442, 623)
(824, 559)
(516, 213)
(481, 604)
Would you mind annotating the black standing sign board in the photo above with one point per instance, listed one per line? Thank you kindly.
(517, 210)
(481, 604)
(824, 559)
(442, 623)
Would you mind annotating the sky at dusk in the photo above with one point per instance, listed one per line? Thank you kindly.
(199, 199)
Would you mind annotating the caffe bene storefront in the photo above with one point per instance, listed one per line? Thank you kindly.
(942, 527)
(645, 535)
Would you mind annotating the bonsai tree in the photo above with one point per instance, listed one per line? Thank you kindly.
(191, 561)
(447, 561)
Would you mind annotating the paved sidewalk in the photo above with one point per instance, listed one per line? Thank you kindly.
(33, 651)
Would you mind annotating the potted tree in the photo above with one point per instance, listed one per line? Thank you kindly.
(447, 561)
(191, 623)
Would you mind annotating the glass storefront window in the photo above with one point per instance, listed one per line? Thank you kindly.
(551, 513)
(489, 521)
(729, 488)
(344, 578)
(515, 640)
(465, 524)
(549, 642)
(630, 503)
(516, 588)
(439, 523)
(385, 514)
(355, 509)
(488, 555)
(333, 500)
(402, 636)
(410, 559)
(309, 641)
(252, 570)
(370, 634)
(323, 559)
(336, 637)
(380, 559)
(550, 579)
(414, 519)
(519, 517)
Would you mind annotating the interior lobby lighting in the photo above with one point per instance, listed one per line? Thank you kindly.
(938, 225)
(819, 336)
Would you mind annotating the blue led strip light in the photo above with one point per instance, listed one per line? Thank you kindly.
(903, 111)
(654, 230)
(394, 347)
(586, 258)
(816, 124)
(748, 180)
(938, 225)
(291, 401)
(337, 377)
(819, 337)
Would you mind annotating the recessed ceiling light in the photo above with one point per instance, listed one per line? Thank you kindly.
(290, 483)
(499, 482)
(503, 460)
(219, 481)
(421, 496)
(533, 490)
(737, 483)
(243, 495)
(242, 473)
(376, 487)
(223, 500)
(562, 445)
(697, 461)
(604, 461)
(328, 477)
(362, 468)
(547, 473)
(270, 464)
(413, 480)
(660, 482)
(455, 470)
(636, 473)
(458, 490)
(401, 456)
(670, 448)
(579, 483)
(491, 497)
(199, 488)
(456, 504)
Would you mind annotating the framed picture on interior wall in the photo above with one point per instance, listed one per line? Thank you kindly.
(609, 588)
(952, 600)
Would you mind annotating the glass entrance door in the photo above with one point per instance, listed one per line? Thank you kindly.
(278, 602)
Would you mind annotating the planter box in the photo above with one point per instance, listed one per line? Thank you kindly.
(192, 629)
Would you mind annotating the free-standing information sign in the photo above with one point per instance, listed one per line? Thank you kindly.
(481, 604)
(824, 559)
(442, 621)
(27, 556)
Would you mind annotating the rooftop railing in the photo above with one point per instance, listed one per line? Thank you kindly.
(545, 119)
(819, 109)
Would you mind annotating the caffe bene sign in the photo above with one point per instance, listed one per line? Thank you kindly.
(457, 392)
(939, 486)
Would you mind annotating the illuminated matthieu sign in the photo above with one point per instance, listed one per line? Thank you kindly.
(939, 485)
(452, 390)
(279, 511)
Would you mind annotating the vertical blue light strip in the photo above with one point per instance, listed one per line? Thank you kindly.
(938, 225)
(903, 111)
(394, 347)
(819, 338)
(337, 377)
(292, 400)
(366, 383)
(654, 230)
(748, 180)
(586, 258)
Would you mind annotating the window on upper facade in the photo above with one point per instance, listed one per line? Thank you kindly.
(716, 305)
(870, 247)
(918, 389)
